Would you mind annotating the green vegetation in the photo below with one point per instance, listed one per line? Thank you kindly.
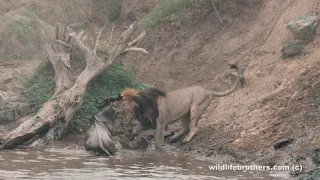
(22, 33)
(39, 89)
(110, 83)
(172, 10)
(114, 9)
(25, 28)
(84, 25)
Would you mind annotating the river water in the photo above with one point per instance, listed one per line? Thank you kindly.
(73, 162)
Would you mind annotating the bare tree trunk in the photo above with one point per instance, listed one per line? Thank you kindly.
(53, 118)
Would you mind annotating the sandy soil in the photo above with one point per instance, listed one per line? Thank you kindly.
(279, 100)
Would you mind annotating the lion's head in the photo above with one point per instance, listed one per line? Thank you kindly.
(126, 104)
(141, 105)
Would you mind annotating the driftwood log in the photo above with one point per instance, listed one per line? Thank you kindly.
(51, 121)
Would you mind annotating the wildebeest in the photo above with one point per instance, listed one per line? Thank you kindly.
(98, 137)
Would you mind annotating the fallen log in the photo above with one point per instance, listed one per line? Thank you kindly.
(51, 122)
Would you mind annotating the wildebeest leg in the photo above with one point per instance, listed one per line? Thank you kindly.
(195, 114)
(160, 133)
(101, 143)
(185, 129)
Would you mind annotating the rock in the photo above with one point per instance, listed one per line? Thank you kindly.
(209, 154)
(9, 97)
(6, 78)
(316, 156)
(295, 173)
(150, 137)
(311, 175)
(282, 143)
(292, 48)
(168, 134)
(304, 27)
(137, 143)
(233, 76)
(12, 107)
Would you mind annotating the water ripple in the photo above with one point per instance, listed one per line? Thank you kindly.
(54, 164)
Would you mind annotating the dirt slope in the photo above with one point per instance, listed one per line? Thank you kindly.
(249, 122)
(25, 27)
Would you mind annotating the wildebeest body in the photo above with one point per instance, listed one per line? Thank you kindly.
(98, 138)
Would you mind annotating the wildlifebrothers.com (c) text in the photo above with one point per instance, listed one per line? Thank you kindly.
(230, 167)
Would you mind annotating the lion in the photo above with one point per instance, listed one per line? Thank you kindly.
(155, 108)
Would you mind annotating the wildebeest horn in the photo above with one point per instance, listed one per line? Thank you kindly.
(108, 100)
(100, 102)
(119, 97)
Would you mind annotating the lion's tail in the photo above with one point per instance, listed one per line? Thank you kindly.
(233, 87)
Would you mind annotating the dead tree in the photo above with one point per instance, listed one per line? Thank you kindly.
(51, 121)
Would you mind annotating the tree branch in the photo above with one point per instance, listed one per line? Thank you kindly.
(125, 36)
(55, 115)
(136, 49)
(98, 37)
(82, 47)
(139, 38)
(63, 43)
(111, 35)
(61, 69)
(212, 2)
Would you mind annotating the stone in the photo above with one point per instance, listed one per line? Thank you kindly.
(311, 175)
(304, 27)
(6, 78)
(137, 143)
(234, 75)
(282, 143)
(12, 107)
(292, 48)
(316, 156)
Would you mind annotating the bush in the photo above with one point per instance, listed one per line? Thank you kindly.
(172, 10)
(39, 89)
(114, 9)
(110, 9)
(21, 35)
(25, 29)
(110, 83)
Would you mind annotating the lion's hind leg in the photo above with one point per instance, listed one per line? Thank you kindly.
(185, 128)
(195, 113)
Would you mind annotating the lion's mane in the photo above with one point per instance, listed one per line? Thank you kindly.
(146, 111)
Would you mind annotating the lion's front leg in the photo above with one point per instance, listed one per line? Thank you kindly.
(136, 130)
(160, 134)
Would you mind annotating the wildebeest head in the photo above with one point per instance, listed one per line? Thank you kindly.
(105, 116)
(107, 101)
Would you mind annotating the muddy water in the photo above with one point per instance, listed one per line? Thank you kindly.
(75, 163)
